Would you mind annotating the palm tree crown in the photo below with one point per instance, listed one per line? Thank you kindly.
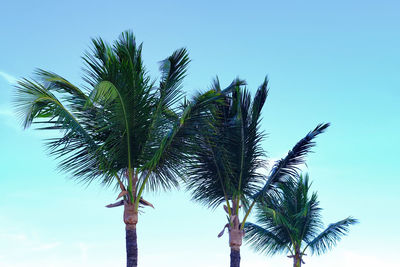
(290, 221)
(229, 155)
(122, 128)
(226, 165)
(122, 123)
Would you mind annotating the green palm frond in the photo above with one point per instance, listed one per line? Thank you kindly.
(331, 235)
(292, 214)
(177, 145)
(228, 152)
(55, 82)
(120, 124)
(263, 240)
(288, 167)
(166, 113)
(309, 212)
(36, 103)
(173, 70)
(122, 90)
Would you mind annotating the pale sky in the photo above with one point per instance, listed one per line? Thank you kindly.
(332, 62)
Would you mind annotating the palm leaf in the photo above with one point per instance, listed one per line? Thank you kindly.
(57, 83)
(331, 235)
(77, 148)
(174, 148)
(263, 240)
(173, 70)
(288, 167)
(228, 154)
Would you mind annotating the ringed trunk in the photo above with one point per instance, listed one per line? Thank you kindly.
(130, 220)
(235, 258)
(235, 241)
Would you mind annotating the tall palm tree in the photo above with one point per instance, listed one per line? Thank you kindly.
(121, 128)
(225, 167)
(290, 221)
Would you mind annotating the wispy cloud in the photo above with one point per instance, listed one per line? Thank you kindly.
(5, 111)
(46, 246)
(83, 247)
(29, 243)
(14, 236)
(368, 260)
(8, 77)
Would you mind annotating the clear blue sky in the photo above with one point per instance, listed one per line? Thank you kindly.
(334, 61)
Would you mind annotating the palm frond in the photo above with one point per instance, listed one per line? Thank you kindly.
(78, 149)
(228, 152)
(173, 70)
(263, 240)
(165, 114)
(55, 82)
(121, 89)
(176, 146)
(308, 211)
(293, 216)
(331, 235)
(259, 100)
(33, 100)
(288, 167)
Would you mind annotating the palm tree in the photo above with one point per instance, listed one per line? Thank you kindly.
(122, 128)
(290, 221)
(225, 166)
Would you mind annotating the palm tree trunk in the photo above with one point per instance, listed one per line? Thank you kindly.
(130, 219)
(131, 248)
(296, 261)
(235, 241)
(235, 258)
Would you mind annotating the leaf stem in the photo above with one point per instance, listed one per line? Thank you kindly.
(139, 195)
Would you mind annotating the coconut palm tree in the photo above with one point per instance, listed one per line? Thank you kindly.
(290, 221)
(121, 128)
(225, 167)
